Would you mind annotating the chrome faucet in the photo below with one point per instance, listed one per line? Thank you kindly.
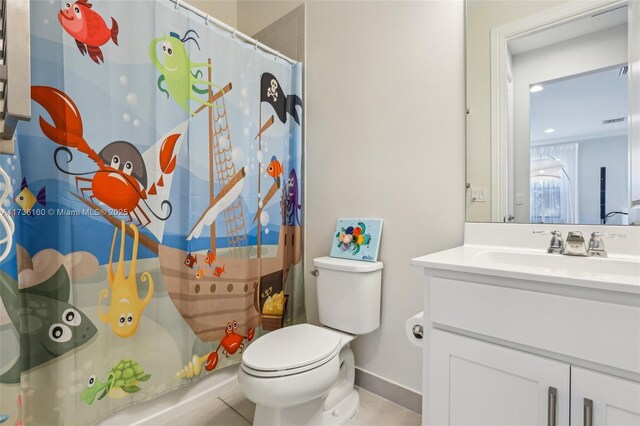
(596, 243)
(575, 245)
(556, 245)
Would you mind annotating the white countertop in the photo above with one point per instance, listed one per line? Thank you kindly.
(620, 272)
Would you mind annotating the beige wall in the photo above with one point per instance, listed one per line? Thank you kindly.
(384, 106)
(482, 16)
(255, 15)
(286, 35)
(223, 10)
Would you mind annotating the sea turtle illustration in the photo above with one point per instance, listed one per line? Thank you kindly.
(48, 324)
(122, 379)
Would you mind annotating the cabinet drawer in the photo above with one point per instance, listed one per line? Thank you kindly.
(600, 332)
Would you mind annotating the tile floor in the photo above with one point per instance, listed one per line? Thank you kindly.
(233, 409)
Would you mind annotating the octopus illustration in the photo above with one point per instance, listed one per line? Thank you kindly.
(292, 200)
(121, 179)
(181, 75)
(126, 307)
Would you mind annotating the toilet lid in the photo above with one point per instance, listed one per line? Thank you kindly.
(291, 348)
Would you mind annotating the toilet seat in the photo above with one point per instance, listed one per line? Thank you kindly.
(291, 350)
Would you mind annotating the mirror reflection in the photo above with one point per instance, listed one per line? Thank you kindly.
(548, 112)
(578, 160)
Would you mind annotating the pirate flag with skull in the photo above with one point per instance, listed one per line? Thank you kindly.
(271, 92)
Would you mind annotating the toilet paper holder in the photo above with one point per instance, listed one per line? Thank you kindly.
(418, 331)
(414, 327)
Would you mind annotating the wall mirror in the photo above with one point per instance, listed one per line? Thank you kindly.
(551, 136)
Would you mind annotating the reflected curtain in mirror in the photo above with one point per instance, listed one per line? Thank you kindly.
(553, 193)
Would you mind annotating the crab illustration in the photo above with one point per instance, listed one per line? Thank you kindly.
(121, 181)
(230, 344)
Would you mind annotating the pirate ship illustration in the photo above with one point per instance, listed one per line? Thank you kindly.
(251, 274)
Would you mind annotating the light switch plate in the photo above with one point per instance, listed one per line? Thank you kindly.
(478, 195)
(520, 199)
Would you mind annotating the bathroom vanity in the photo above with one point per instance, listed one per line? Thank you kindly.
(515, 335)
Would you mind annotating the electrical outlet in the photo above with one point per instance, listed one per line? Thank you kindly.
(478, 195)
(520, 199)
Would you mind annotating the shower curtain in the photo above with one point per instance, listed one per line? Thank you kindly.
(157, 201)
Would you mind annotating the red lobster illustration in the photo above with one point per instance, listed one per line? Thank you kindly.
(121, 179)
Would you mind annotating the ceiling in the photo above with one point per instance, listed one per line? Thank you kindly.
(575, 107)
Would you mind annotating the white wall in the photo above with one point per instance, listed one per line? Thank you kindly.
(384, 106)
(482, 16)
(591, 52)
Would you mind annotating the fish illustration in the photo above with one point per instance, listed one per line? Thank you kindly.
(3, 418)
(87, 28)
(274, 169)
(218, 271)
(190, 260)
(200, 273)
(48, 324)
(211, 257)
(26, 200)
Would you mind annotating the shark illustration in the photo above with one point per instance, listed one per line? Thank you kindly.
(48, 325)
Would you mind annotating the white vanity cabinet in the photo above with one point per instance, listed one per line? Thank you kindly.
(517, 346)
(472, 382)
(600, 399)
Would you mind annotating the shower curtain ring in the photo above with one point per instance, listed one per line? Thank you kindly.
(277, 55)
(255, 46)
(206, 19)
(177, 4)
(233, 34)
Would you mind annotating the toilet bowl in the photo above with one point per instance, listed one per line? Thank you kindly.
(304, 374)
(299, 375)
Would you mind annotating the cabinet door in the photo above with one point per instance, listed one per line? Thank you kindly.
(611, 401)
(471, 382)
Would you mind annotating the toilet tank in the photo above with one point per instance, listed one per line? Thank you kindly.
(349, 294)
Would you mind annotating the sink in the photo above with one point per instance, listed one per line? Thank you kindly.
(615, 273)
(566, 265)
(517, 252)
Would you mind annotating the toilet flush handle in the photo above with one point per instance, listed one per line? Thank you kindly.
(315, 272)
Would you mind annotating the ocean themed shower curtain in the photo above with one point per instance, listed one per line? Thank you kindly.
(157, 199)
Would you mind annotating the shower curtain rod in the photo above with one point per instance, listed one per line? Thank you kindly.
(234, 32)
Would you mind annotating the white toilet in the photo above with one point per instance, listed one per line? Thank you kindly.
(304, 374)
